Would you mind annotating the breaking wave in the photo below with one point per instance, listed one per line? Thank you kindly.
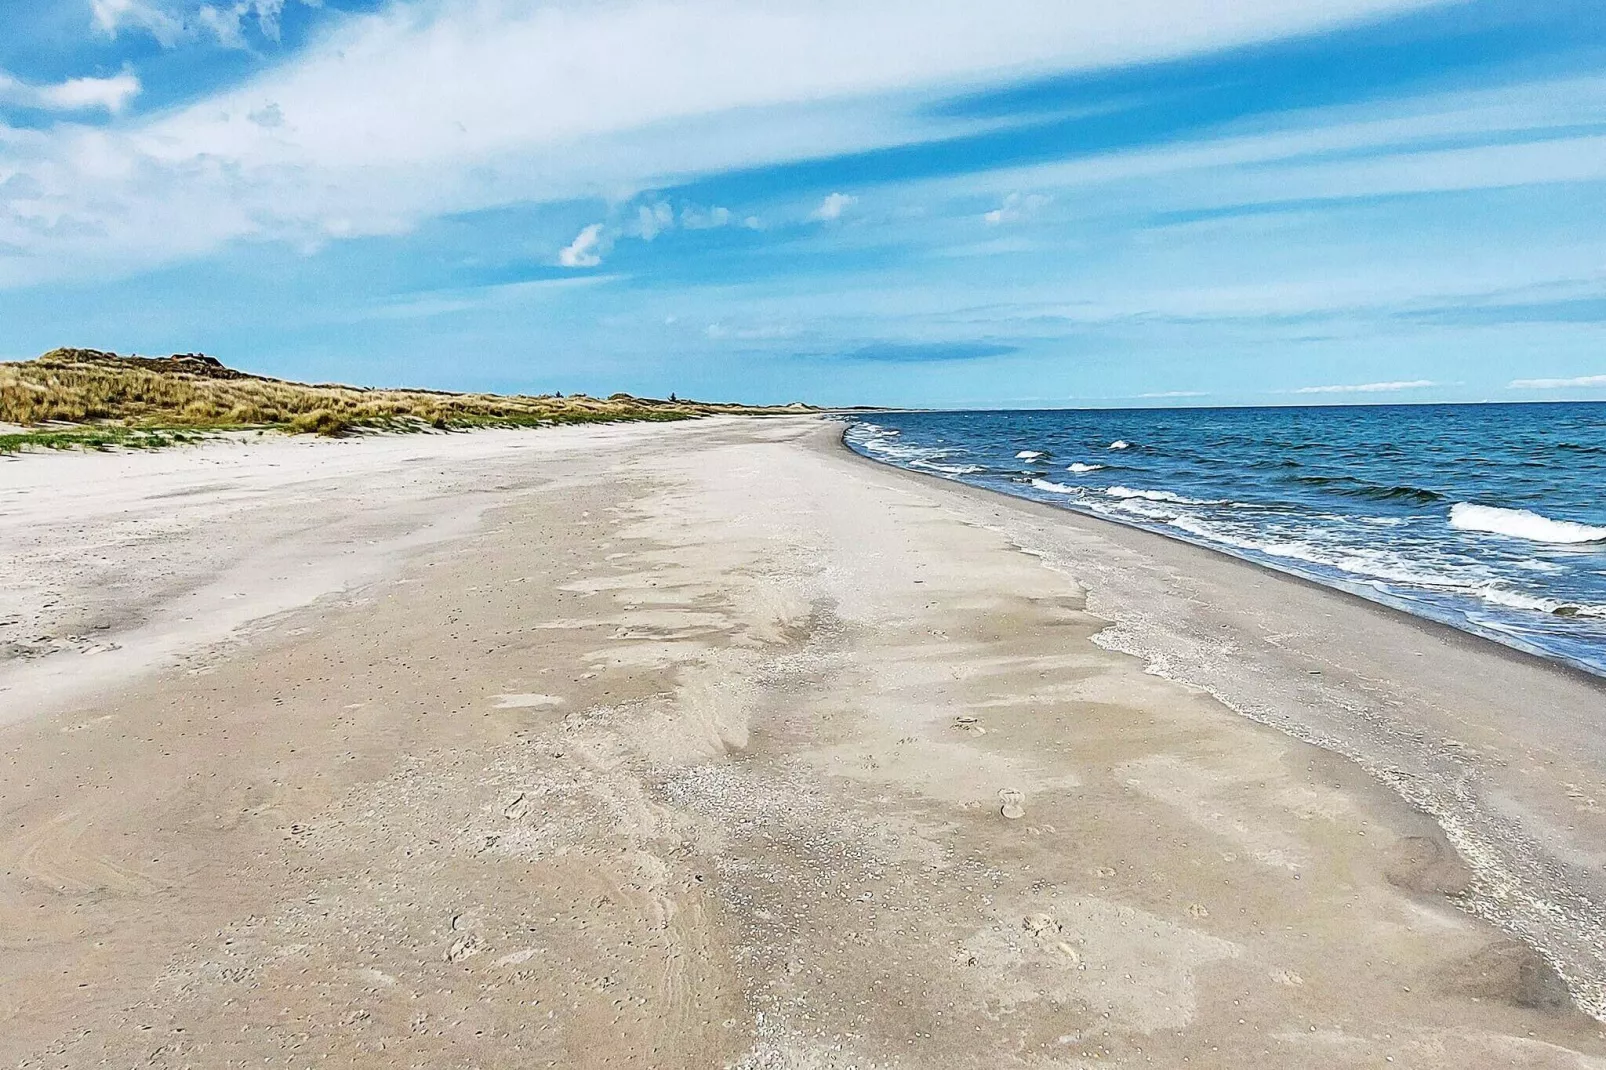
(1522, 524)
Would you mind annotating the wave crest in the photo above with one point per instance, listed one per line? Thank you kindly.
(1155, 496)
(1522, 524)
(1350, 487)
(1055, 488)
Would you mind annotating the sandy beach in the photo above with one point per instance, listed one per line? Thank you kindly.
(714, 745)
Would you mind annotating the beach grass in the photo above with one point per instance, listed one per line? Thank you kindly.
(82, 398)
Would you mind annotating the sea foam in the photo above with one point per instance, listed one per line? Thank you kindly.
(1028, 455)
(1055, 488)
(949, 469)
(1120, 444)
(1522, 524)
(1155, 496)
(1079, 468)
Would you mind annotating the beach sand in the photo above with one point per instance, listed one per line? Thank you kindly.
(692, 746)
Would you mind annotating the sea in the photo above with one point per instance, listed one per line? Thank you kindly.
(1488, 518)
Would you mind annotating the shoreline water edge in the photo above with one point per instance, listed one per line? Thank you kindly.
(1437, 713)
(1334, 498)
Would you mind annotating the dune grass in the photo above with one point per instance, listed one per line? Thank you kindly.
(90, 399)
(99, 438)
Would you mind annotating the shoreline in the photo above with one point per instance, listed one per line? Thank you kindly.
(1539, 877)
(1487, 643)
(691, 747)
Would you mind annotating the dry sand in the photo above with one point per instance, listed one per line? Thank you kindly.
(690, 746)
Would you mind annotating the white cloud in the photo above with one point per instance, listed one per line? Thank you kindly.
(112, 16)
(1557, 384)
(1016, 207)
(1369, 388)
(655, 218)
(652, 220)
(833, 206)
(171, 21)
(704, 219)
(1176, 394)
(586, 249)
(75, 94)
(227, 21)
(440, 106)
(1512, 136)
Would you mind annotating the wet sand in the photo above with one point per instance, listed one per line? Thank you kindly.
(691, 746)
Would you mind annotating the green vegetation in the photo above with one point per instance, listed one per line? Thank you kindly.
(88, 399)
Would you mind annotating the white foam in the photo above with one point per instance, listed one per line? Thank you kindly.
(1517, 600)
(1055, 488)
(1028, 455)
(1521, 524)
(903, 453)
(1154, 496)
(1120, 444)
(949, 469)
(1501, 596)
(1361, 562)
(1127, 507)
(1079, 467)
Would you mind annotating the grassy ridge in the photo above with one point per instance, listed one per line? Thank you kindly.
(83, 397)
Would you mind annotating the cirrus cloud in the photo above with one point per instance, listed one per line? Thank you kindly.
(1369, 388)
(418, 110)
(1576, 382)
(75, 94)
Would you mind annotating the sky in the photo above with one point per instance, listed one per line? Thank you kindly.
(1012, 203)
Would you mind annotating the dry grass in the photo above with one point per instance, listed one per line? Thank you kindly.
(110, 399)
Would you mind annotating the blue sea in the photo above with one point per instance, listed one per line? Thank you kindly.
(1489, 518)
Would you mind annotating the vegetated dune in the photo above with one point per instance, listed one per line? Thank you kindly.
(140, 400)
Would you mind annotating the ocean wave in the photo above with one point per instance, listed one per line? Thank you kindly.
(1126, 508)
(948, 469)
(1501, 596)
(1351, 487)
(1398, 524)
(1156, 496)
(1522, 524)
(1365, 563)
(1056, 488)
(906, 453)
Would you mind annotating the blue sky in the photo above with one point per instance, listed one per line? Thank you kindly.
(922, 202)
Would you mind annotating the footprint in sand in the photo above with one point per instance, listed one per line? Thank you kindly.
(1041, 924)
(1047, 930)
(464, 946)
(517, 808)
(1014, 804)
